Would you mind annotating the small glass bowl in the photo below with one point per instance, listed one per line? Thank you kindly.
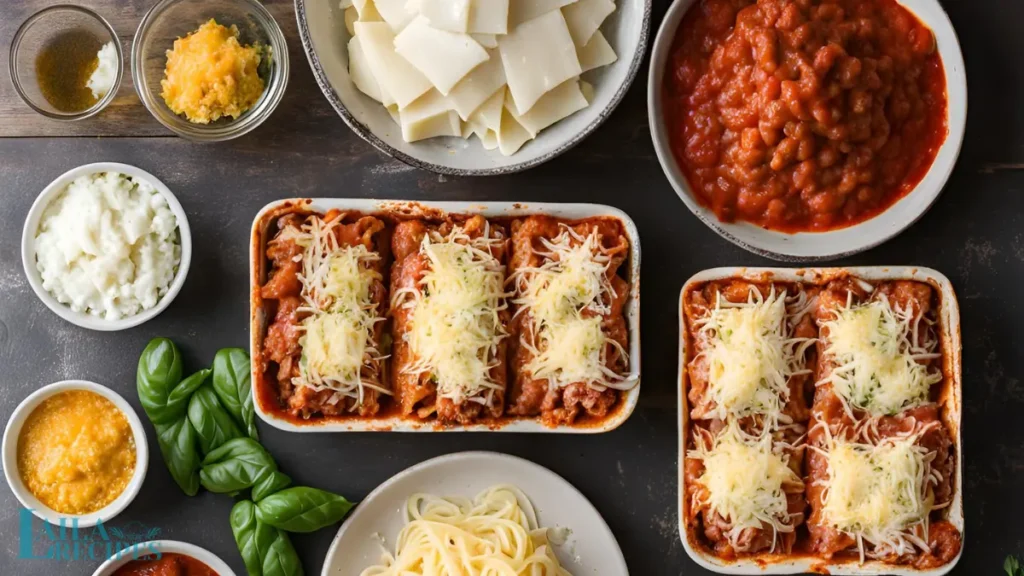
(35, 33)
(169, 20)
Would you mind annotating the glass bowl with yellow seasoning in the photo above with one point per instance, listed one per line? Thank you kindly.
(75, 450)
(210, 70)
(66, 62)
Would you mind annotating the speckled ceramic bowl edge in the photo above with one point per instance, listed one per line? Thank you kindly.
(366, 134)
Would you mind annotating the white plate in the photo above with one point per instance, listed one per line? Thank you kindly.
(950, 400)
(818, 246)
(258, 322)
(325, 40)
(590, 550)
(28, 247)
(9, 453)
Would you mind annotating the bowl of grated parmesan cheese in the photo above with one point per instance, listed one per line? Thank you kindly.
(106, 246)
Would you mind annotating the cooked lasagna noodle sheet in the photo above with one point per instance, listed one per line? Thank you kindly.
(435, 65)
(450, 318)
(751, 343)
(570, 338)
(326, 291)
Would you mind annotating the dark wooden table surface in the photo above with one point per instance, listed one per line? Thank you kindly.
(974, 234)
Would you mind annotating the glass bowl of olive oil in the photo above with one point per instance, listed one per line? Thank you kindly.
(66, 62)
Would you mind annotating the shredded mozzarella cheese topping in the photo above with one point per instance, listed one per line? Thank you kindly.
(338, 348)
(878, 492)
(746, 480)
(751, 356)
(880, 356)
(566, 298)
(455, 324)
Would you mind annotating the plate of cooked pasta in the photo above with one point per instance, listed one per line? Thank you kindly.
(475, 514)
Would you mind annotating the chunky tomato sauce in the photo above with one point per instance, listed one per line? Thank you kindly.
(168, 564)
(804, 115)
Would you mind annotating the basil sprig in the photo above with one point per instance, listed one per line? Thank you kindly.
(302, 509)
(232, 381)
(193, 418)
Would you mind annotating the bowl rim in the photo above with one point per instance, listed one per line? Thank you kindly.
(367, 134)
(12, 432)
(273, 91)
(171, 546)
(13, 63)
(28, 250)
(861, 238)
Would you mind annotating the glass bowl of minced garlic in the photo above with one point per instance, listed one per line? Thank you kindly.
(209, 70)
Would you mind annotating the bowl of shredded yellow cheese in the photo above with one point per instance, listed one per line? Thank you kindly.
(210, 71)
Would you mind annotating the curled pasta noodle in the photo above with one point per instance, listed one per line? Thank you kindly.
(494, 534)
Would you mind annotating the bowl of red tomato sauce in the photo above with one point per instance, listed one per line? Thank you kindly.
(164, 558)
(807, 130)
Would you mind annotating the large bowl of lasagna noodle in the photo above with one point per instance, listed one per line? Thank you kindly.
(325, 39)
(819, 421)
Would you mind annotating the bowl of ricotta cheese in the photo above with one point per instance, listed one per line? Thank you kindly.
(106, 246)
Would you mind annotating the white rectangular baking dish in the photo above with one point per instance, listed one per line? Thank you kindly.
(950, 400)
(412, 209)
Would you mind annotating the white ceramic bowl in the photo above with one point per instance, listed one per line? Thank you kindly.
(590, 548)
(325, 40)
(817, 246)
(171, 546)
(28, 250)
(10, 454)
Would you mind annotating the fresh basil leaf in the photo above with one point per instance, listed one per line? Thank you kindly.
(270, 483)
(282, 559)
(235, 466)
(232, 381)
(212, 423)
(158, 373)
(302, 509)
(1012, 566)
(177, 400)
(178, 445)
(252, 542)
(265, 550)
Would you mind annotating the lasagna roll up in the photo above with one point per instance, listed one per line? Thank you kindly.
(753, 348)
(744, 491)
(326, 293)
(570, 337)
(450, 319)
(879, 350)
(876, 489)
